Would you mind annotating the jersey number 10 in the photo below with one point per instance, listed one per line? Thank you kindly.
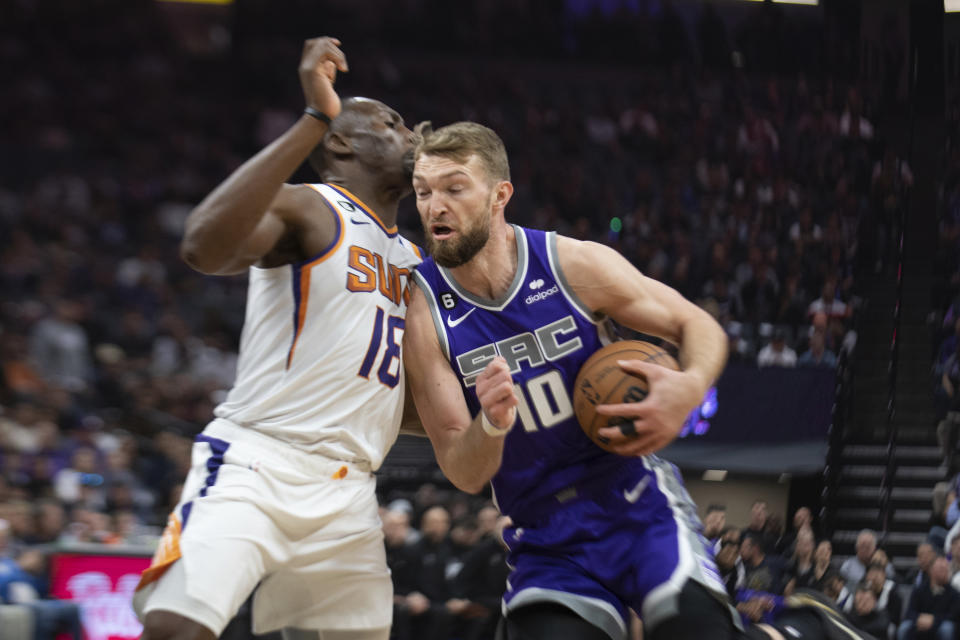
(548, 398)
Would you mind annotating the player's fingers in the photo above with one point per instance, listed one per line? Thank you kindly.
(497, 367)
(626, 409)
(334, 53)
(330, 70)
(498, 392)
(624, 432)
(649, 370)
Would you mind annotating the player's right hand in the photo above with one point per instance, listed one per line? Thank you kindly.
(495, 392)
(319, 63)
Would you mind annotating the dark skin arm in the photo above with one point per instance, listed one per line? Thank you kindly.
(252, 216)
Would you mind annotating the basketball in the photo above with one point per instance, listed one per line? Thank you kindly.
(602, 381)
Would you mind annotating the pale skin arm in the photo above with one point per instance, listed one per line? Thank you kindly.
(607, 283)
(410, 423)
(245, 216)
(467, 455)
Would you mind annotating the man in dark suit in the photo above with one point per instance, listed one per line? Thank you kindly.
(933, 608)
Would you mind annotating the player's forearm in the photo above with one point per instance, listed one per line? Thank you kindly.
(703, 348)
(229, 214)
(470, 458)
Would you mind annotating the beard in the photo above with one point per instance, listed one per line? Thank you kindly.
(460, 249)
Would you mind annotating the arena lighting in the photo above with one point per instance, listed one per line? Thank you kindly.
(715, 475)
(697, 423)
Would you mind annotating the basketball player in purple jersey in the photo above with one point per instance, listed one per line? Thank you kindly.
(501, 323)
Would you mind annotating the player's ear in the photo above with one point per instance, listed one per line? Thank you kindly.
(337, 144)
(502, 193)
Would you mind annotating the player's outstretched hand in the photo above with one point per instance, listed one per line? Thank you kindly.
(319, 63)
(658, 418)
(495, 392)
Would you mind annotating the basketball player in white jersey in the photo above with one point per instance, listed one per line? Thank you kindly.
(281, 492)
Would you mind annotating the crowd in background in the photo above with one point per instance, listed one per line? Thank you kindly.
(756, 194)
(761, 563)
(447, 559)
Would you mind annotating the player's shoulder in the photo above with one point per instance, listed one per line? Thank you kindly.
(304, 205)
(574, 253)
(410, 247)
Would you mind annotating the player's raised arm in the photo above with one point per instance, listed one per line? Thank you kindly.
(241, 220)
(607, 283)
(469, 454)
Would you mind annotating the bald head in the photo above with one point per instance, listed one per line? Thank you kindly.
(366, 131)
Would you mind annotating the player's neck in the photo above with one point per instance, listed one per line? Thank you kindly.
(490, 273)
(383, 201)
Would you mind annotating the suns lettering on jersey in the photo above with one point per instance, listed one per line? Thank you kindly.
(546, 344)
(368, 271)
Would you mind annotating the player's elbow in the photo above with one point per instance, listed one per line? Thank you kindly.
(192, 254)
(462, 477)
(468, 485)
(203, 252)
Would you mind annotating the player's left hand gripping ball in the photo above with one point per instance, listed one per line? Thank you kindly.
(497, 400)
(658, 419)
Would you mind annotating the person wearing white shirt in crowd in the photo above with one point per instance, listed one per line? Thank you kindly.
(777, 353)
(828, 303)
(854, 568)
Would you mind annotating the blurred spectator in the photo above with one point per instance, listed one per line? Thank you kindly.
(919, 574)
(802, 521)
(763, 573)
(427, 603)
(478, 587)
(933, 607)
(834, 587)
(818, 355)
(21, 583)
(757, 526)
(51, 519)
(881, 558)
(777, 353)
(886, 592)
(800, 569)
(865, 615)
(59, 347)
(828, 303)
(714, 523)
(822, 563)
(854, 568)
(403, 561)
(729, 563)
(80, 481)
(955, 564)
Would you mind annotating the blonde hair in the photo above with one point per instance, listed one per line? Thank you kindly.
(460, 140)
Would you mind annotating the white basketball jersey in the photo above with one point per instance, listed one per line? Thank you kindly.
(320, 364)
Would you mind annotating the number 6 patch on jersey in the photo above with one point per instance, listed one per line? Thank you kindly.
(448, 299)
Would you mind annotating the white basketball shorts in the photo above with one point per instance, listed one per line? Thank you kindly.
(256, 511)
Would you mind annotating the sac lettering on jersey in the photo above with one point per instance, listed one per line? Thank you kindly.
(368, 271)
(546, 344)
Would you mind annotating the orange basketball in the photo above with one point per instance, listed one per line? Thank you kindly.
(602, 381)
